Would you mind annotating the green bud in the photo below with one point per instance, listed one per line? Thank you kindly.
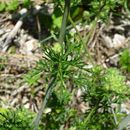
(57, 47)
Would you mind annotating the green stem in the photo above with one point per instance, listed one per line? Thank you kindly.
(81, 39)
(73, 24)
(64, 21)
(47, 95)
(52, 83)
(90, 114)
(126, 6)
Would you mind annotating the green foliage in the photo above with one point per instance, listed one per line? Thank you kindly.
(125, 60)
(109, 81)
(100, 89)
(114, 81)
(18, 119)
(57, 18)
(102, 86)
(2, 6)
(102, 8)
(13, 5)
(56, 62)
(34, 75)
(74, 2)
(27, 3)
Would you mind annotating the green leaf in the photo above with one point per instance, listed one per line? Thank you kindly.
(26, 3)
(57, 21)
(13, 5)
(125, 60)
(2, 6)
(32, 77)
(114, 81)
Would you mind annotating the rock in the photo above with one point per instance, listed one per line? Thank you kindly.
(29, 46)
(118, 41)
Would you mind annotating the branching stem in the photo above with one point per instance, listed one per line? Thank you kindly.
(53, 80)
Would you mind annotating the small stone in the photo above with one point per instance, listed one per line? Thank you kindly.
(118, 40)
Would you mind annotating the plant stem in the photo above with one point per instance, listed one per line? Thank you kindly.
(52, 83)
(64, 21)
(47, 95)
(81, 39)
